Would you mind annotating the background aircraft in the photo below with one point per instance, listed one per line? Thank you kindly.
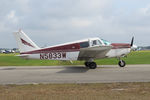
(87, 50)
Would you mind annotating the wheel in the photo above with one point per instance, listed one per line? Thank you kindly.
(122, 63)
(87, 64)
(92, 65)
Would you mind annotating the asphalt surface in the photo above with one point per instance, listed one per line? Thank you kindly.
(73, 74)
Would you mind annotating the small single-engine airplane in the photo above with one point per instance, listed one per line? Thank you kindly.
(87, 50)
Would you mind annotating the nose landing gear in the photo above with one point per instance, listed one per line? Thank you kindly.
(122, 63)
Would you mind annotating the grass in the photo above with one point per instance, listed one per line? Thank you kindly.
(95, 91)
(138, 57)
(12, 60)
(109, 91)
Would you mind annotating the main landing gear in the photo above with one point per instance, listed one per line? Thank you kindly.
(91, 65)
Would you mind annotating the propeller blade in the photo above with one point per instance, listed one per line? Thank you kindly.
(132, 41)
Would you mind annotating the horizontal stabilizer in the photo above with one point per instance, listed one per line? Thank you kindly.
(23, 56)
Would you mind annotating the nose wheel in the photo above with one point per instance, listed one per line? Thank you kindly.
(91, 65)
(122, 63)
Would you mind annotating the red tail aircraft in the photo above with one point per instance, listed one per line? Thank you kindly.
(87, 50)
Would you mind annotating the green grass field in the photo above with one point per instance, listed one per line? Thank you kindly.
(138, 57)
(96, 91)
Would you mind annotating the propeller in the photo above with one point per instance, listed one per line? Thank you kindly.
(133, 47)
(132, 41)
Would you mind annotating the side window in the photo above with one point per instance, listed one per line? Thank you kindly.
(94, 43)
(84, 44)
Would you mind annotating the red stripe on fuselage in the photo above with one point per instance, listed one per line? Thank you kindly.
(120, 45)
(63, 48)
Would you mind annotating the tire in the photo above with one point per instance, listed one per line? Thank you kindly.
(122, 63)
(87, 64)
(92, 65)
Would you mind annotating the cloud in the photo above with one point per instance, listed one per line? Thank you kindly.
(12, 17)
(145, 11)
(80, 23)
(56, 21)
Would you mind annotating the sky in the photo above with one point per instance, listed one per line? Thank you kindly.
(51, 22)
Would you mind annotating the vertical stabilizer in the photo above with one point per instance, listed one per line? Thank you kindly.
(24, 42)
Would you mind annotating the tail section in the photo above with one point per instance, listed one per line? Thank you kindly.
(24, 42)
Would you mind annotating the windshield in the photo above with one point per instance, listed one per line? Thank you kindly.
(106, 42)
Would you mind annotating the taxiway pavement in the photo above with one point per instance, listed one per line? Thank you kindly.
(73, 74)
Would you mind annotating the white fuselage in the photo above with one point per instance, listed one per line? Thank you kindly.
(74, 55)
(118, 52)
(113, 53)
(55, 56)
(87, 50)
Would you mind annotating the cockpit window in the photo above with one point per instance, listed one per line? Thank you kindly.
(99, 42)
(106, 42)
(94, 43)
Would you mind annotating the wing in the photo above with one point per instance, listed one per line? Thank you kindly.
(96, 52)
